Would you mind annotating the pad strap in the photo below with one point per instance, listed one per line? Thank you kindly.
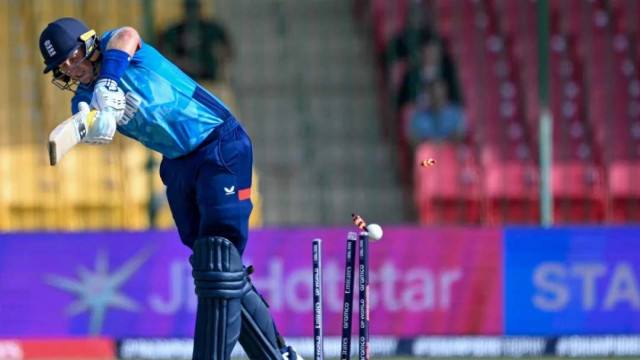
(259, 337)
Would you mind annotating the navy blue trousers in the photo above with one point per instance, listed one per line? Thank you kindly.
(209, 189)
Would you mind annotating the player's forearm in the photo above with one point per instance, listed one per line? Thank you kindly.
(126, 39)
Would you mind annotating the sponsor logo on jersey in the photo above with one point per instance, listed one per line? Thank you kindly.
(133, 102)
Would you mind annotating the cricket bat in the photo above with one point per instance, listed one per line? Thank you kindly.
(66, 135)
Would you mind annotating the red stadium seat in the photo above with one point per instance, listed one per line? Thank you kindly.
(579, 192)
(624, 191)
(512, 189)
(450, 191)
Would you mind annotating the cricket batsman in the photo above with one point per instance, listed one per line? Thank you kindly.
(206, 167)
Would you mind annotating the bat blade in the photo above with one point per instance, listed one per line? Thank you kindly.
(65, 136)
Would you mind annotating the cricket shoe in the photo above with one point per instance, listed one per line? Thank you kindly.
(290, 354)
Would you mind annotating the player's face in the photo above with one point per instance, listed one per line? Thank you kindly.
(78, 67)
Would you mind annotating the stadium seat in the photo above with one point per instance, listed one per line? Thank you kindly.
(450, 191)
(579, 192)
(511, 188)
(624, 191)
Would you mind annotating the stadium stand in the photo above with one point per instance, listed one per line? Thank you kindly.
(622, 129)
(595, 104)
(578, 181)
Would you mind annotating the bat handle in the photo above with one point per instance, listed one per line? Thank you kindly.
(90, 117)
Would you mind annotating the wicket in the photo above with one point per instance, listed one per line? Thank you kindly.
(364, 297)
(318, 343)
(347, 308)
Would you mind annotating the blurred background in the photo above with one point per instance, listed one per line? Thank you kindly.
(521, 240)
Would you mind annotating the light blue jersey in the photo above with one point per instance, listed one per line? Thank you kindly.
(166, 110)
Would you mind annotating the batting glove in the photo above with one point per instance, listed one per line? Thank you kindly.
(107, 94)
(101, 124)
